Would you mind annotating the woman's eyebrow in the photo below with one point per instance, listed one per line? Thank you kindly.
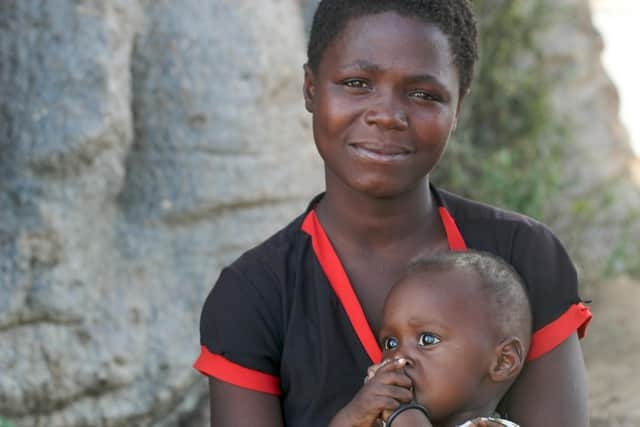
(424, 78)
(363, 65)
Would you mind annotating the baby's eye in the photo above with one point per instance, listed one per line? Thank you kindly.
(390, 343)
(426, 339)
(356, 83)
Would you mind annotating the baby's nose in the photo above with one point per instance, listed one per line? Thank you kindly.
(408, 361)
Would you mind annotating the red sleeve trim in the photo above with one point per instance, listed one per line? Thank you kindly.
(341, 285)
(217, 366)
(545, 339)
(456, 242)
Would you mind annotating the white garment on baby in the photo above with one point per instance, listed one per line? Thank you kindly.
(498, 421)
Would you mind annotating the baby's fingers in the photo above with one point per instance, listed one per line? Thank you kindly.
(387, 365)
(394, 378)
(399, 394)
(373, 402)
(392, 364)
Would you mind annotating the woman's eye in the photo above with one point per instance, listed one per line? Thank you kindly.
(426, 339)
(356, 84)
(390, 343)
(425, 96)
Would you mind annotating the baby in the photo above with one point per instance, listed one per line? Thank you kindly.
(455, 334)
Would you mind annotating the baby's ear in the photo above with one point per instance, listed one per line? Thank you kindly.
(509, 359)
(308, 88)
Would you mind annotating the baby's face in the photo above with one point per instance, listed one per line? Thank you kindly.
(439, 322)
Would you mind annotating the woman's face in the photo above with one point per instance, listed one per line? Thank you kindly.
(439, 323)
(384, 100)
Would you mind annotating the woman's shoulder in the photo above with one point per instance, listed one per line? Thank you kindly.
(481, 221)
(276, 257)
(260, 278)
(464, 209)
(511, 235)
(274, 251)
(529, 246)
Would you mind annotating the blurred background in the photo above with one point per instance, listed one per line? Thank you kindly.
(146, 143)
(617, 22)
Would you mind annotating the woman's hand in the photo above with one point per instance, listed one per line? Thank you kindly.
(386, 387)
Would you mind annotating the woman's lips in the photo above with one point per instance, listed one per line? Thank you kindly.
(380, 152)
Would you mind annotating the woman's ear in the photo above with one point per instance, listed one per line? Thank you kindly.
(308, 88)
(509, 359)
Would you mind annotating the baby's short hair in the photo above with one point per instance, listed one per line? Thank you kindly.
(453, 17)
(505, 290)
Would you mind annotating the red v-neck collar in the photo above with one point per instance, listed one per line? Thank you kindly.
(454, 237)
(339, 281)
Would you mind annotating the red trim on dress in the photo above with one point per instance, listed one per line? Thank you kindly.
(217, 366)
(341, 285)
(545, 339)
(456, 242)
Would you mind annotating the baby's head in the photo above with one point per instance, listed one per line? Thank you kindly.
(463, 322)
(453, 17)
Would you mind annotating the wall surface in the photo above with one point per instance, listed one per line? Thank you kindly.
(142, 146)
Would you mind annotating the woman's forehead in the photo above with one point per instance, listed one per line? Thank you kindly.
(388, 41)
(389, 29)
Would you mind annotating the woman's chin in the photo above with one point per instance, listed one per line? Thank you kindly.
(383, 188)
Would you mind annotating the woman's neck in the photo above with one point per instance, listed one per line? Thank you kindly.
(378, 221)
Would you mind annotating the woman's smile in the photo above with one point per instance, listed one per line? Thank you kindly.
(380, 151)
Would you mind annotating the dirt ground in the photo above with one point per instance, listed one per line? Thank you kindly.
(612, 354)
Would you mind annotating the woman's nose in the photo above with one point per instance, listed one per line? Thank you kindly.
(387, 113)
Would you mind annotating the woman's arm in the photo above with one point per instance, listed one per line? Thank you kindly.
(551, 391)
(233, 406)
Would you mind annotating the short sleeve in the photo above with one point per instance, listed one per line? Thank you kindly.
(552, 282)
(239, 333)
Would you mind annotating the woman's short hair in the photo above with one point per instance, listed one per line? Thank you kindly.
(453, 17)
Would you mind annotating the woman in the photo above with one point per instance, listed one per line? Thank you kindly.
(288, 330)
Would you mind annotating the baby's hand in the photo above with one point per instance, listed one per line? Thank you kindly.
(386, 386)
(371, 370)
